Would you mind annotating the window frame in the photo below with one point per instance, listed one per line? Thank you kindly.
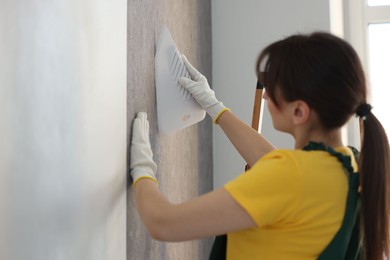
(357, 17)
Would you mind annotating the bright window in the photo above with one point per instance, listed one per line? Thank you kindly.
(378, 2)
(379, 76)
(368, 29)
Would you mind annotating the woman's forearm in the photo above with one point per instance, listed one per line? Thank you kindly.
(248, 142)
(152, 207)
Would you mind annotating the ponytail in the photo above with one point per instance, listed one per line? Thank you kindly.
(374, 179)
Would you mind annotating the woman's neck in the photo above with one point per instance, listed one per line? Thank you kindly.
(329, 138)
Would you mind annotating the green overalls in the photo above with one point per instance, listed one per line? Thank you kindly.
(346, 243)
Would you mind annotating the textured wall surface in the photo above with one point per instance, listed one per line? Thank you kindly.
(184, 159)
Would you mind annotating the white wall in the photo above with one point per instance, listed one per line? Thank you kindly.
(63, 129)
(240, 30)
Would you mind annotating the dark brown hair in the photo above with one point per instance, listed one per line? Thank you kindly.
(325, 72)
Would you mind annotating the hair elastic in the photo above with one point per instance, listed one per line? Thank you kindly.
(363, 110)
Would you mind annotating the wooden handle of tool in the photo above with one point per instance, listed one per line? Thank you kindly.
(256, 110)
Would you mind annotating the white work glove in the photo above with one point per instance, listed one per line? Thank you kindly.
(201, 91)
(141, 155)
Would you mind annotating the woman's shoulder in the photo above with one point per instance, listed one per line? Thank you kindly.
(298, 153)
(286, 154)
(279, 159)
(293, 158)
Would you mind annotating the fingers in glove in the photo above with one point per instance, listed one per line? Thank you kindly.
(144, 123)
(142, 115)
(185, 82)
(141, 127)
(194, 73)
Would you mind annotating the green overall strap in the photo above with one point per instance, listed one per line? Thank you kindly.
(218, 251)
(346, 243)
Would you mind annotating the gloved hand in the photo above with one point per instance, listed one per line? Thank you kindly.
(202, 92)
(141, 157)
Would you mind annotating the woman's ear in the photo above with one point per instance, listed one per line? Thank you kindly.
(301, 112)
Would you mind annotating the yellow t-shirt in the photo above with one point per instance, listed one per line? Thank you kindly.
(297, 198)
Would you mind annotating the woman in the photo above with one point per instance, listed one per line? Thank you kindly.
(291, 204)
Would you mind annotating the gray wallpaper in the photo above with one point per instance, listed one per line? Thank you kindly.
(184, 159)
